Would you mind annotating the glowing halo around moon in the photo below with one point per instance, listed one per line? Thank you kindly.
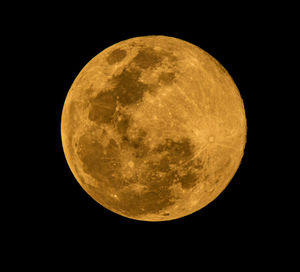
(153, 128)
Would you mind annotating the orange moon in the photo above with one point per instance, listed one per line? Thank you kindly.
(153, 128)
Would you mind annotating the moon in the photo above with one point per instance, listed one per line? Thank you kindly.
(153, 128)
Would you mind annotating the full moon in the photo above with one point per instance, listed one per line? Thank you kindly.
(153, 128)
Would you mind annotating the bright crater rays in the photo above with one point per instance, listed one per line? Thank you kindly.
(153, 128)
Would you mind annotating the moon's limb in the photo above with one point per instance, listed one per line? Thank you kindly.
(153, 128)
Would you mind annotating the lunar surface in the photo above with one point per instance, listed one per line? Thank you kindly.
(153, 128)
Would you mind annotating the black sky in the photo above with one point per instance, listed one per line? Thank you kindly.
(58, 45)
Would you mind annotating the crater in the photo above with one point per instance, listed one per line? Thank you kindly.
(139, 148)
(116, 56)
(148, 201)
(176, 164)
(176, 151)
(156, 196)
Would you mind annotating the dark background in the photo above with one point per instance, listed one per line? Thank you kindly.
(237, 206)
(60, 43)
